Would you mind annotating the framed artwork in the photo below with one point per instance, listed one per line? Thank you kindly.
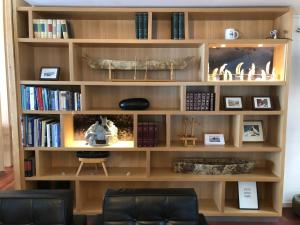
(233, 103)
(49, 73)
(253, 131)
(262, 103)
(214, 139)
(248, 195)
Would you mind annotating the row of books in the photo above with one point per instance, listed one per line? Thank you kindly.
(29, 166)
(147, 134)
(40, 132)
(141, 25)
(200, 101)
(51, 28)
(42, 98)
(177, 25)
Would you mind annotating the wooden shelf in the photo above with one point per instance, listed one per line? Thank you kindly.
(114, 174)
(109, 33)
(167, 174)
(152, 112)
(265, 210)
(149, 83)
(248, 42)
(173, 148)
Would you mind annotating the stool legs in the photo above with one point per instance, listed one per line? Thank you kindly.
(79, 169)
(104, 168)
(102, 161)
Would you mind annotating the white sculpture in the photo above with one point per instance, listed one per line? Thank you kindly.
(104, 133)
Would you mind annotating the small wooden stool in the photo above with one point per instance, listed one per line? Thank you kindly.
(187, 140)
(92, 160)
(92, 157)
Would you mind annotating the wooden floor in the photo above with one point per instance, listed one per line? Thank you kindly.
(7, 183)
(7, 179)
(288, 218)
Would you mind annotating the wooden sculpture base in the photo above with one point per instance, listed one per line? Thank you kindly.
(92, 160)
(189, 141)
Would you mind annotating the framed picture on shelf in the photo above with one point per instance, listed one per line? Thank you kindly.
(262, 103)
(248, 195)
(253, 131)
(49, 73)
(214, 139)
(233, 103)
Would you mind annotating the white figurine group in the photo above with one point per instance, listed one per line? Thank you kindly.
(240, 73)
(106, 132)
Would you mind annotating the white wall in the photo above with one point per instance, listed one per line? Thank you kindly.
(292, 161)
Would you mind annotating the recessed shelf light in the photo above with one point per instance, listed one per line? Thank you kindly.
(223, 45)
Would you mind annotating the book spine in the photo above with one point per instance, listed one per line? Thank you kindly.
(45, 22)
(58, 29)
(174, 25)
(151, 135)
(32, 98)
(141, 28)
(40, 28)
(26, 167)
(50, 28)
(48, 128)
(140, 135)
(64, 29)
(36, 28)
(181, 25)
(54, 29)
(137, 25)
(212, 102)
(58, 135)
(145, 25)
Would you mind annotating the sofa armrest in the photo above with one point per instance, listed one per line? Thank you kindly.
(202, 220)
(98, 220)
(79, 220)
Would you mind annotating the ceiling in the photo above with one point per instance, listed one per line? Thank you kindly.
(164, 3)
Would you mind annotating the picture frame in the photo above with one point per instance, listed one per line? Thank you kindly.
(49, 73)
(253, 131)
(262, 103)
(248, 196)
(233, 103)
(214, 139)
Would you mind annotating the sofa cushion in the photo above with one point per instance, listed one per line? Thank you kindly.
(150, 207)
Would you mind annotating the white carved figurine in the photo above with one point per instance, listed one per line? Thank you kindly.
(107, 132)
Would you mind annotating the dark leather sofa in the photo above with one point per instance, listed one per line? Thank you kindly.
(38, 207)
(151, 207)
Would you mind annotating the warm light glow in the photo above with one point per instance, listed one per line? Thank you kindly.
(260, 45)
(223, 46)
(119, 144)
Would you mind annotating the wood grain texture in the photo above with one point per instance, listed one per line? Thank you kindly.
(110, 33)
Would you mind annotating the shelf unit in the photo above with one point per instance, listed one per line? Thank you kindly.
(110, 33)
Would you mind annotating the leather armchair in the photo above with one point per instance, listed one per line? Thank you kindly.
(38, 207)
(151, 207)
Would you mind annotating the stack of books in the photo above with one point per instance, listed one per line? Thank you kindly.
(177, 25)
(41, 98)
(200, 101)
(40, 132)
(51, 28)
(141, 25)
(147, 134)
(29, 166)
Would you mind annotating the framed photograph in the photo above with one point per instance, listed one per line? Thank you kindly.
(233, 103)
(49, 73)
(253, 131)
(214, 139)
(262, 103)
(248, 195)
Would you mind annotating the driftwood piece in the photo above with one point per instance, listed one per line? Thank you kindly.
(109, 64)
(209, 166)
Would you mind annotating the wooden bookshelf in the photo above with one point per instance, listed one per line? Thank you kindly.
(110, 33)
